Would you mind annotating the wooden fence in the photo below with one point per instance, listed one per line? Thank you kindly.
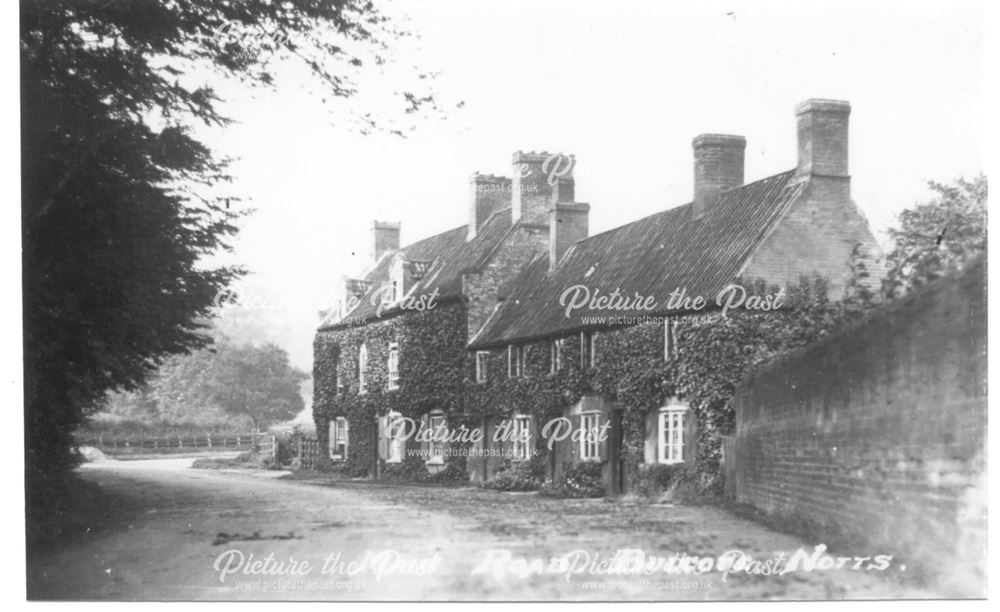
(168, 444)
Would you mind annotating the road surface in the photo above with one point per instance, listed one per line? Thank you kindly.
(170, 532)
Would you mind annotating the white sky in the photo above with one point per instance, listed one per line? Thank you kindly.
(624, 86)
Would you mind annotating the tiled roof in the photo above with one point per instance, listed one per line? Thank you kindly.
(450, 255)
(652, 257)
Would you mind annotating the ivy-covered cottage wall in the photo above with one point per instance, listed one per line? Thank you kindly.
(432, 367)
(631, 371)
(713, 353)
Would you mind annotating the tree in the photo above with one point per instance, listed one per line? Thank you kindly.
(118, 211)
(254, 382)
(939, 236)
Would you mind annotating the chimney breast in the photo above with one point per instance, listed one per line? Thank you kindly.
(385, 237)
(568, 223)
(489, 194)
(718, 166)
(822, 129)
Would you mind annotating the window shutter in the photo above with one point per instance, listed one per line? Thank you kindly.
(652, 439)
(347, 437)
(531, 437)
(383, 441)
(425, 445)
(690, 435)
(602, 445)
(446, 444)
(574, 444)
(506, 444)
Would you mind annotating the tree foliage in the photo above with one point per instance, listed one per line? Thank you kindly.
(939, 236)
(244, 385)
(257, 383)
(118, 207)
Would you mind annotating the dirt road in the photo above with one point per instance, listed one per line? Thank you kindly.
(171, 533)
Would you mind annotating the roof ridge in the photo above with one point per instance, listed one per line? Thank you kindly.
(431, 237)
(679, 206)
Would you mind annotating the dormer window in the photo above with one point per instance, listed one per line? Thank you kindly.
(396, 278)
(387, 293)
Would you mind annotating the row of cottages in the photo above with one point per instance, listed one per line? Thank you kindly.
(467, 333)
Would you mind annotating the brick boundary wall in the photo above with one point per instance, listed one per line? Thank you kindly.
(876, 437)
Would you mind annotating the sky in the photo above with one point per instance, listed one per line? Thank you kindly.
(623, 86)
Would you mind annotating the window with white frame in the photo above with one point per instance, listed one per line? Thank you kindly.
(435, 455)
(522, 438)
(338, 384)
(555, 356)
(590, 444)
(588, 349)
(394, 430)
(393, 366)
(363, 369)
(339, 437)
(515, 361)
(482, 358)
(669, 339)
(670, 440)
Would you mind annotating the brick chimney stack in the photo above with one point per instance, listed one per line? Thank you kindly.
(489, 194)
(718, 167)
(822, 130)
(539, 180)
(385, 237)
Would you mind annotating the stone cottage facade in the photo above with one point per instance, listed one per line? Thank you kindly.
(508, 335)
